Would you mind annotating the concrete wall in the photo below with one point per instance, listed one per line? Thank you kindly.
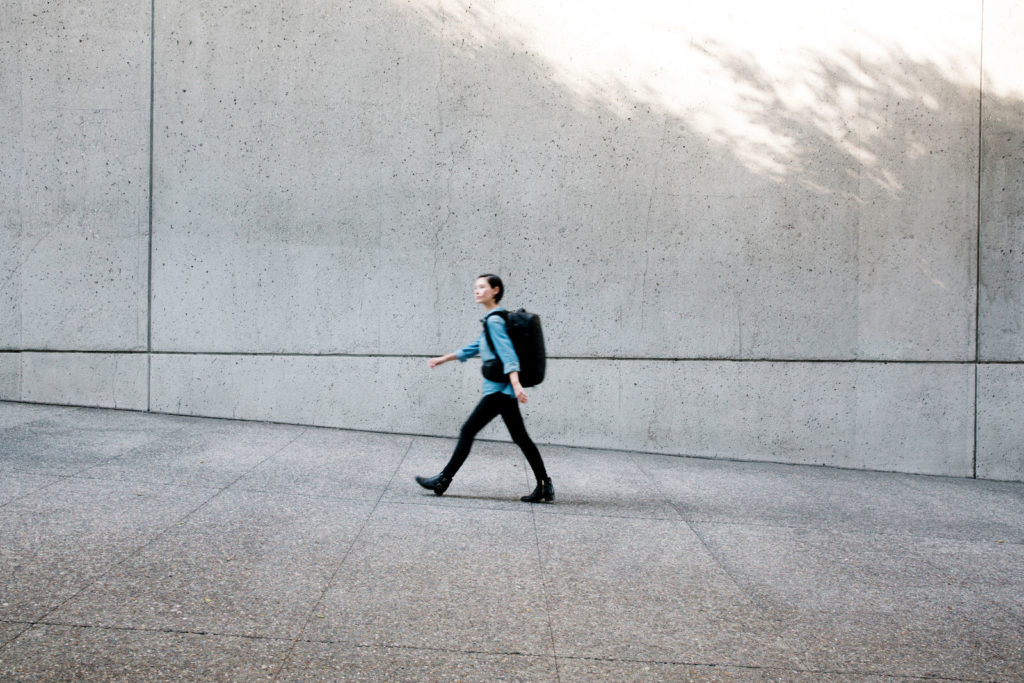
(1001, 219)
(755, 233)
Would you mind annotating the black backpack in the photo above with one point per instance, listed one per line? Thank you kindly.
(528, 341)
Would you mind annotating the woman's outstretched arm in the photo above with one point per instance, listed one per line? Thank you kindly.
(434, 362)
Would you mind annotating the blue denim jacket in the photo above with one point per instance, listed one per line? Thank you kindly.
(502, 344)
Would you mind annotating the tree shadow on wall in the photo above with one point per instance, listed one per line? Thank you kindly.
(833, 218)
(830, 218)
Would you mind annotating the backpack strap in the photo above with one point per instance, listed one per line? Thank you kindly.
(487, 332)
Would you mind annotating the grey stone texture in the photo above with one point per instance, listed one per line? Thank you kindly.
(798, 246)
(76, 191)
(10, 376)
(103, 380)
(887, 416)
(1000, 428)
(292, 202)
(647, 567)
(1002, 190)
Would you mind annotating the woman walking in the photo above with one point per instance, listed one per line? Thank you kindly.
(500, 398)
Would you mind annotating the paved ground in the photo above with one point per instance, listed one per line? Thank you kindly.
(137, 546)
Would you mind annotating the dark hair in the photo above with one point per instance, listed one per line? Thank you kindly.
(494, 281)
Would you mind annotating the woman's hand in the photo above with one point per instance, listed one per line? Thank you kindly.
(513, 378)
(434, 362)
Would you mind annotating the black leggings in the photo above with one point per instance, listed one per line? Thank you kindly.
(491, 406)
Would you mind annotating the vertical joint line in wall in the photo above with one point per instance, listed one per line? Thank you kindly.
(977, 211)
(974, 455)
(149, 273)
(977, 241)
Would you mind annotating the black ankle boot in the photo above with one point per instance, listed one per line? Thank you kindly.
(544, 493)
(438, 484)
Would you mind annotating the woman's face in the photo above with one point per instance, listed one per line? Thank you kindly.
(483, 292)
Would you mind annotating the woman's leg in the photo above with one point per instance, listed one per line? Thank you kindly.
(486, 410)
(517, 430)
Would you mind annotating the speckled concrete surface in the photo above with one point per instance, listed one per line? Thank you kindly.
(148, 547)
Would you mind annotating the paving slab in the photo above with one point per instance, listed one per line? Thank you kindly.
(980, 565)
(15, 484)
(657, 672)
(9, 631)
(60, 539)
(248, 563)
(602, 483)
(870, 603)
(211, 456)
(784, 495)
(648, 590)
(14, 414)
(855, 571)
(54, 447)
(77, 653)
(428, 576)
(861, 643)
(964, 508)
(101, 418)
(329, 662)
(146, 547)
(331, 463)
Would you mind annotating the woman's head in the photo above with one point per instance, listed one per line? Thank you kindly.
(488, 287)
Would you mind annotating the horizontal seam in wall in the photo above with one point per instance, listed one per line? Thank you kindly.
(653, 359)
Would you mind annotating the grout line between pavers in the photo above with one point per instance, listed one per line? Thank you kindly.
(845, 532)
(978, 232)
(341, 563)
(511, 507)
(426, 648)
(150, 541)
(547, 599)
(494, 653)
(149, 207)
(544, 585)
(4, 644)
(150, 629)
(778, 669)
(57, 479)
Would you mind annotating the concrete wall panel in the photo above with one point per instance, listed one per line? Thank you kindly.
(99, 380)
(91, 56)
(10, 376)
(1002, 185)
(76, 269)
(302, 172)
(902, 417)
(300, 180)
(84, 221)
(377, 394)
(1000, 428)
(10, 228)
(918, 249)
(10, 174)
